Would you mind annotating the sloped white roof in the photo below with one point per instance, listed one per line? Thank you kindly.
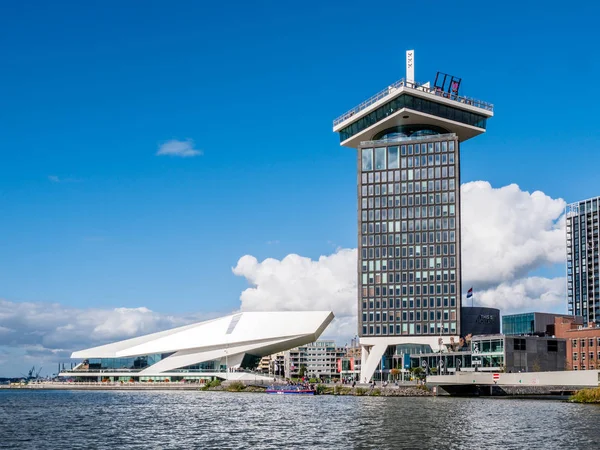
(260, 333)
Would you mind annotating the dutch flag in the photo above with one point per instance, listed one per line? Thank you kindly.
(470, 293)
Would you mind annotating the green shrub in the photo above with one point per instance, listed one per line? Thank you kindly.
(235, 386)
(215, 383)
(360, 391)
(212, 384)
(376, 392)
(586, 396)
(321, 389)
(341, 390)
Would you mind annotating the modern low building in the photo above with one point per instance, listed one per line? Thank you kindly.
(531, 323)
(316, 360)
(408, 139)
(498, 352)
(583, 343)
(348, 366)
(583, 269)
(224, 348)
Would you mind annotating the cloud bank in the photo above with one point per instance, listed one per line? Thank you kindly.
(43, 334)
(507, 234)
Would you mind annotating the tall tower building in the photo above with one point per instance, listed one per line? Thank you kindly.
(408, 139)
(583, 276)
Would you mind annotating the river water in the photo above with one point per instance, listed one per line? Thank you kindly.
(206, 420)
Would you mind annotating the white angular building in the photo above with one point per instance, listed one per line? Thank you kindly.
(225, 348)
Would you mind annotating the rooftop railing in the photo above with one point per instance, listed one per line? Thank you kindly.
(413, 85)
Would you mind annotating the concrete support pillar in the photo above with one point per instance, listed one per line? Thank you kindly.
(371, 357)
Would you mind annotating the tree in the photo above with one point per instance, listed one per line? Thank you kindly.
(417, 371)
(395, 373)
(302, 371)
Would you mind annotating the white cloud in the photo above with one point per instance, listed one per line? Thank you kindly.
(47, 333)
(507, 234)
(57, 179)
(184, 149)
(298, 283)
(527, 294)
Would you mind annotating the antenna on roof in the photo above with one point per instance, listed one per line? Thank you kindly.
(410, 66)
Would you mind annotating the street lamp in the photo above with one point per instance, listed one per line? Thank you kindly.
(440, 342)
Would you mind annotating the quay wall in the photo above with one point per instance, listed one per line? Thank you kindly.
(568, 378)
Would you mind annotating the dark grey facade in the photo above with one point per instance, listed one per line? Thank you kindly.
(409, 236)
(534, 354)
(479, 320)
(583, 274)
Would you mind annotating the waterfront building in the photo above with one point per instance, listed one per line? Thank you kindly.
(496, 353)
(583, 275)
(316, 360)
(583, 342)
(348, 366)
(227, 348)
(272, 364)
(264, 365)
(408, 139)
(529, 323)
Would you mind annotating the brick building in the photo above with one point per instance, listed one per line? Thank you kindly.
(583, 343)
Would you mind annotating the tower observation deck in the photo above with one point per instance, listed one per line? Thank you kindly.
(407, 104)
(409, 281)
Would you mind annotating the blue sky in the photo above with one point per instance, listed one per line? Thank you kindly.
(92, 217)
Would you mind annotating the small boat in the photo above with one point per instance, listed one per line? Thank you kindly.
(291, 389)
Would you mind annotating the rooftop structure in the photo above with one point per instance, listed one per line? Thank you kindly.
(222, 348)
(529, 323)
(407, 103)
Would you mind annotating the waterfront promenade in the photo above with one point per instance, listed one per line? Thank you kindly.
(405, 389)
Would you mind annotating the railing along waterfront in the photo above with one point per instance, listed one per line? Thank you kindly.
(418, 86)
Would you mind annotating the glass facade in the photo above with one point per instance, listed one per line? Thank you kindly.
(417, 104)
(488, 351)
(134, 363)
(583, 275)
(409, 237)
(518, 324)
(206, 366)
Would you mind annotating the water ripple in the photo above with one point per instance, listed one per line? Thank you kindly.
(218, 420)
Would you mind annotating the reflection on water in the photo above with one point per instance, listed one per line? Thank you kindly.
(161, 420)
